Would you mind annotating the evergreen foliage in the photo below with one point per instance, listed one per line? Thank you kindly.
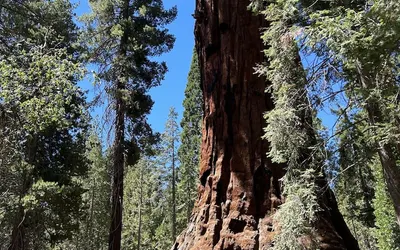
(169, 158)
(94, 228)
(123, 38)
(189, 150)
(142, 212)
(355, 186)
(43, 132)
(359, 51)
(152, 200)
(94, 224)
(290, 129)
(354, 48)
(60, 189)
(387, 231)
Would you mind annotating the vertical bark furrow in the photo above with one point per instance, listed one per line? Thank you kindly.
(233, 122)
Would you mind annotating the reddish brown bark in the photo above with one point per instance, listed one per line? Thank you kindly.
(239, 190)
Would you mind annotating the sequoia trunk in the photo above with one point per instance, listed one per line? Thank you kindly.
(239, 186)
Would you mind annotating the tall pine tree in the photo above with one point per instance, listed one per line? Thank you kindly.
(170, 139)
(189, 150)
(124, 35)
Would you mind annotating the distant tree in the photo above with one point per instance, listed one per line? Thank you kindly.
(170, 141)
(94, 224)
(97, 198)
(189, 150)
(142, 216)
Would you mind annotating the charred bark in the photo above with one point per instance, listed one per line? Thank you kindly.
(240, 188)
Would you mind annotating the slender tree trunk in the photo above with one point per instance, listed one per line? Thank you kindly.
(173, 191)
(114, 242)
(89, 224)
(188, 199)
(240, 188)
(369, 218)
(118, 178)
(140, 210)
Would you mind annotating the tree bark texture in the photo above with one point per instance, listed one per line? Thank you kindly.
(239, 187)
(114, 241)
(139, 240)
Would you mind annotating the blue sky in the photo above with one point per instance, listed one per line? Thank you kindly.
(171, 91)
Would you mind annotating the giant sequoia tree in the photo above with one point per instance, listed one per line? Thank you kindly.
(240, 188)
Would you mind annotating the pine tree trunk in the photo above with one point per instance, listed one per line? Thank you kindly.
(188, 199)
(391, 171)
(115, 234)
(114, 242)
(89, 222)
(140, 209)
(173, 191)
(239, 187)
